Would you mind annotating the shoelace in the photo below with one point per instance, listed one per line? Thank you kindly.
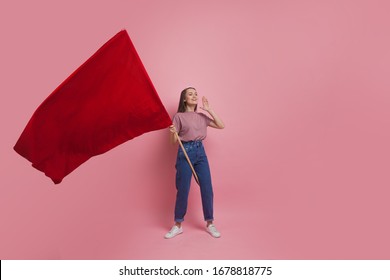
(212, 228)
(173, 229)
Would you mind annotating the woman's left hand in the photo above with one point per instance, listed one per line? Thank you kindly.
(216, 122)
(206, 105)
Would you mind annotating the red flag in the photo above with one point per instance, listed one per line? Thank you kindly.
(108, 100)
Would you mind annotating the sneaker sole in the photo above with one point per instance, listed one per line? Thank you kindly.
(213, 235)
(173, 235)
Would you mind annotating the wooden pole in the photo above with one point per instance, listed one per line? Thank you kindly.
(188, 159)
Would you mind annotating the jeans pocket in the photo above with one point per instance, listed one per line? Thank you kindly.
(180, 152)
(187, 148)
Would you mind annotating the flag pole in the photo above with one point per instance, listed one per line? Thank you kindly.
(188, 159)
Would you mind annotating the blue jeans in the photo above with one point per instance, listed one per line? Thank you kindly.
(198, 158)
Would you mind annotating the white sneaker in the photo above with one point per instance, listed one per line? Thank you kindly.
(213, 231)
(175, 230)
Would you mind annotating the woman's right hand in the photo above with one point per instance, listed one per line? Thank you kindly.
(172, 129)
(173, 135)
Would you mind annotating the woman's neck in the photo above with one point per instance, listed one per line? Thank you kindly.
(190, 108)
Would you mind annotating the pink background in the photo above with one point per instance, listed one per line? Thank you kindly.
(300, 172)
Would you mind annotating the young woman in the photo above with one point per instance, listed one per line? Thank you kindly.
(191, 127)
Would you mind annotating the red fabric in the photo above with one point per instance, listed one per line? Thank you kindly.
(108, 100)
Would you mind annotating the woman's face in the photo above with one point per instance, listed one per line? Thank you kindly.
(191, 97)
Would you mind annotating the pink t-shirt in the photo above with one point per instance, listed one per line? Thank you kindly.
(191, 126)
